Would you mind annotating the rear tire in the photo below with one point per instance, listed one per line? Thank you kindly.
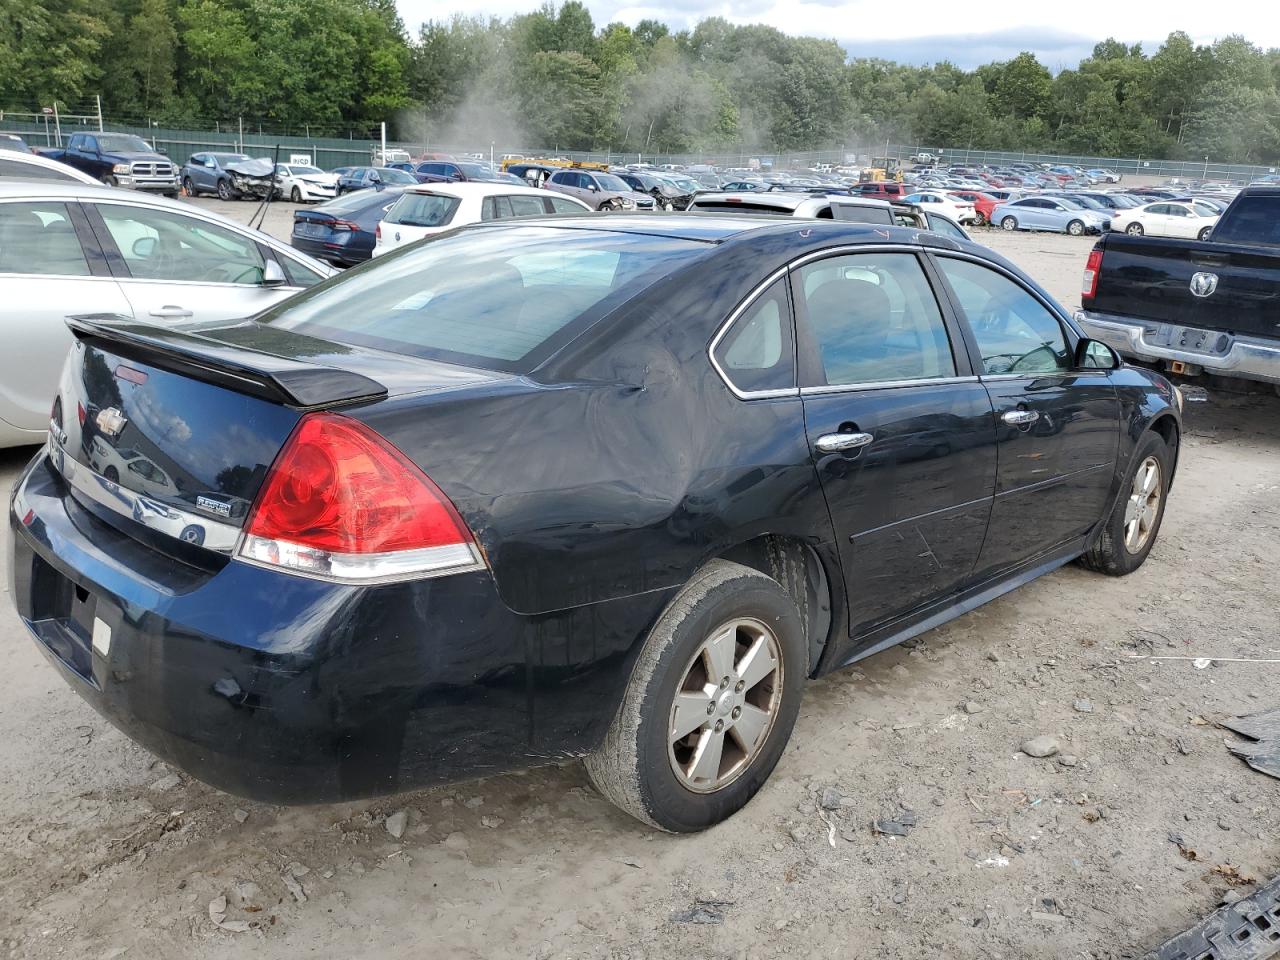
(1130, 532)
(725, 616)
(979, 220)
(1075, 228)
(1009, 223)
(1203, 235)
(1134, 230)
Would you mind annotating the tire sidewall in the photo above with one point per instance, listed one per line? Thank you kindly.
(1009, 223)
(1075, 228)
(1134, 230)
(1151, 444)
(224, 190)
(667, 801)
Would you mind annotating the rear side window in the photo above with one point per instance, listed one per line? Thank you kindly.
(1254, 219)
(30, 171)
(562, 205)
(758, 353)
(1016, 333)
(873, 318)
(39, 238)
(423, 210)
(500, 297)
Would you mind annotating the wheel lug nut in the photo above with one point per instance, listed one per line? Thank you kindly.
(737, 687)
(737, 712)
(724, 683)
(711, 708)
(719, 725)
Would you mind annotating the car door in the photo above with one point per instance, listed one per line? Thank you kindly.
(1155, 219)
(172, 266)
(1057, 426)
(901, 431)
(50, 268)
(1180, 222)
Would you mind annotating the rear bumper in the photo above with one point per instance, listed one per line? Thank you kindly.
(1247, 358)
(291, 690)
(342, 254)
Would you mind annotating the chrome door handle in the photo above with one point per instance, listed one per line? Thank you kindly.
(836, 442)
(171, 312)
(1020, 418)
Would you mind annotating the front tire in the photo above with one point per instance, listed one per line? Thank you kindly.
(710, 705)
(1131, 530)
(1009, 223)
(188, 187)
(1075, 228)
(1134, 230)
(224, 190)
(295, 195)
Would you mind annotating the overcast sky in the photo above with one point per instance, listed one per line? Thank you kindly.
(927, 31)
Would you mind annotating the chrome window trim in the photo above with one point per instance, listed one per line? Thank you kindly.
(884, 385)
(725, 327)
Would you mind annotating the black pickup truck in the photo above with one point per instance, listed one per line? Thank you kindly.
(119, 159)
(1194, 306)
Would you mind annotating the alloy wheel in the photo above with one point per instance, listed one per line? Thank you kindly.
(1008, 223)
(1143, 506)
(725, 706)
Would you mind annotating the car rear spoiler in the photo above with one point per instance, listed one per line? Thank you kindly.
(295, 383)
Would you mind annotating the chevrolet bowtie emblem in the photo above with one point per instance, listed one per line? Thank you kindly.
(111, 421)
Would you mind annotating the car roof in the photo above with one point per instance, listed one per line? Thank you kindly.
(45, 163)
(476, 188)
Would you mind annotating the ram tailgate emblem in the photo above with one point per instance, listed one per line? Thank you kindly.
(1203, 284)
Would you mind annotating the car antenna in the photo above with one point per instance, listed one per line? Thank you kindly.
(261, 213)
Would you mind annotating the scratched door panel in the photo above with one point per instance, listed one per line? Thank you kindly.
(911, 507)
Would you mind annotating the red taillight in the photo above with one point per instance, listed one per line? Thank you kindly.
(341, 502)
(81, 412)
(1089, 285)
(377, 232)
(345, 225)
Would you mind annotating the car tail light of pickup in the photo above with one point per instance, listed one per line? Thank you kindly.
(341, 503)
(1092, 267)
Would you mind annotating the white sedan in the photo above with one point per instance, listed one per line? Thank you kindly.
(71, 248)
(300, 183)
(1187, 219)
(435, 207)
(959, 210)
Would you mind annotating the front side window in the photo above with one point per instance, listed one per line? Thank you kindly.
(39, 238)
(872, 318)
(1016, 333)
(757, 353)
(160, 245)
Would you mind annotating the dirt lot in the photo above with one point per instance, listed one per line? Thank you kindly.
(105, 853)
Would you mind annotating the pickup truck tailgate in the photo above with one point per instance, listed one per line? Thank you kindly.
(1150, 278)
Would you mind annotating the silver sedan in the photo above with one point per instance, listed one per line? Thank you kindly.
(71, 248)
(1046, 212)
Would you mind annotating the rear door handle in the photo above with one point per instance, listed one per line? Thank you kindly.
(836, 442)
(1019, 418)
(169, 311)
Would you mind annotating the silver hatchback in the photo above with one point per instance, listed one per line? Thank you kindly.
(71, 248)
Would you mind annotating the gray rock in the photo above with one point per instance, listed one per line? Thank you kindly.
(396, 823)
(472, 803)
(1083, 706)
(240, 815)
(973, 706)
(246, 892)
(798, 834)
(993, 657)
(1232, 896)
(166, 783)
(492, 823)
(1068, 760)
(830, 799)
(807, 808)
(456, 841)
(1042, 746)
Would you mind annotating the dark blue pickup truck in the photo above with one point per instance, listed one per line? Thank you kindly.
(1194, 306)
(120, 159)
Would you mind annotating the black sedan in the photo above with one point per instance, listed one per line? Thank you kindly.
(342, 231)
(610, 488)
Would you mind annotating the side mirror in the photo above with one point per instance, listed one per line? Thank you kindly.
(144, 247)
(273, 275)
(593, 188)
(375, 178)
(1096, 355)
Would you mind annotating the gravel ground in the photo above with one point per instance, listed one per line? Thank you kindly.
(106, 853)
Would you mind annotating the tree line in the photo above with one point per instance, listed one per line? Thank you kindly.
(555, 79)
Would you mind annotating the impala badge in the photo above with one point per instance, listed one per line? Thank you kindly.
(111, 421)
(1203, 284)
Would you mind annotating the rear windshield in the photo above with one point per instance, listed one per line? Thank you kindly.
(357, 201)
(503, 298)
(423, 210)
(1253, 219)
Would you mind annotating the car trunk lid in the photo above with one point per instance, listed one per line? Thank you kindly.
(167, 433)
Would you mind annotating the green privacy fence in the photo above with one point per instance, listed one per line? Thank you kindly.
(329, 152)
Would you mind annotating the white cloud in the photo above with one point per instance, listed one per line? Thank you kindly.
(933, 29)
